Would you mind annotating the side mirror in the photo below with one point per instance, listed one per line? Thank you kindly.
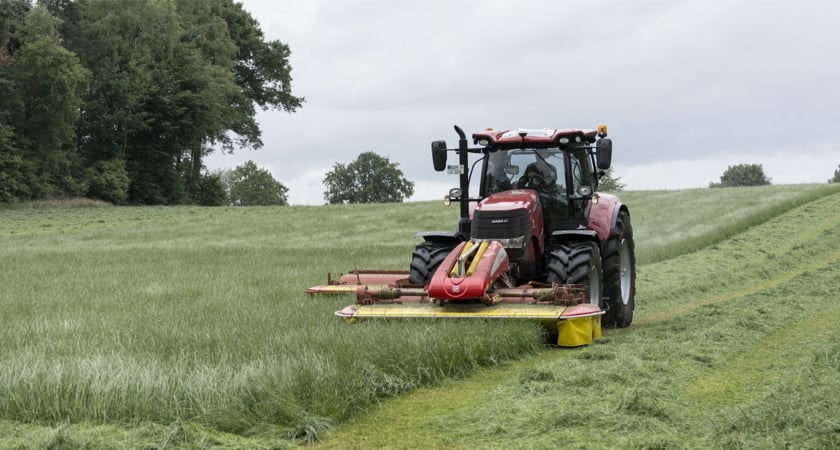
(603, 153)
(439, 155)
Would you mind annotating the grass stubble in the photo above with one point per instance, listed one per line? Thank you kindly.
(186, 327)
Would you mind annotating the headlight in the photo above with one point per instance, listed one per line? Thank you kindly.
(455, 193)
(517, 242)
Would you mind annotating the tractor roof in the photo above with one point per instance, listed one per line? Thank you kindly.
(541, 137)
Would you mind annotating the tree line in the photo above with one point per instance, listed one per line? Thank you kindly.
(370, 178)
(122, 100)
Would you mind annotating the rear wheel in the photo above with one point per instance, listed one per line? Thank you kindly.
(577, 263)
(426, 259)
(620, 274)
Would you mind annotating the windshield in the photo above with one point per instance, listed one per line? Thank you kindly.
(540, 169)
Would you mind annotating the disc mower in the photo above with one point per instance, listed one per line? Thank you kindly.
(538, 242)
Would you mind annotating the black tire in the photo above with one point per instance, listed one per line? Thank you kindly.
(620, 274)
(577, 263)
(426, 259)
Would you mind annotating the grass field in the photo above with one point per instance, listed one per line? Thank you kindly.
(187, 327)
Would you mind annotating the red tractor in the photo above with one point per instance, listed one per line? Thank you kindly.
(537, 242)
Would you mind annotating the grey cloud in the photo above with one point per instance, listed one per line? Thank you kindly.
(674, 80)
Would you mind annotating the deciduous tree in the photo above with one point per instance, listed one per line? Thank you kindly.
(369, 179)
(836, 178)
(742, 175)
(252, 186)
(49, 81)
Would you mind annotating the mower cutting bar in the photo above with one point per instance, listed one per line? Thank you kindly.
(472, 310)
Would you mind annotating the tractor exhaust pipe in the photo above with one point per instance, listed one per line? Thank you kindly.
(464, 161)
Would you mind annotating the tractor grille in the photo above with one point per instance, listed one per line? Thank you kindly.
(500, 224)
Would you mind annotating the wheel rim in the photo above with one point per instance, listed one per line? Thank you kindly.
(625, 271)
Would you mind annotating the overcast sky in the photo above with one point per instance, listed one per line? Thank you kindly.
(687, 88)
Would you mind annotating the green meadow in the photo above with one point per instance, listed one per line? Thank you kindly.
(187, 327)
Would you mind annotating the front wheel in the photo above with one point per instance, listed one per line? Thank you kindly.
(620, 274)
(426, 259)
(577, 263)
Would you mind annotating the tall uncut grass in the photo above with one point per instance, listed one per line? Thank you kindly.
(190, 317)
(125, 315)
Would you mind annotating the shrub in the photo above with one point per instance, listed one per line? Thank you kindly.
(211, 190)
(108, 180)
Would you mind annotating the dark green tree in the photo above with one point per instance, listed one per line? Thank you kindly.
(48, 83)
(610, 183)
(12, 19)
(369, 179)
(16, 181)
(252, 186)
(742, 175)
(836, 178)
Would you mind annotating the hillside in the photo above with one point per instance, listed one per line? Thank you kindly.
(190, 325)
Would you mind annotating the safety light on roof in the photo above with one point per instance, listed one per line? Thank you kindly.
(602, 130)
(483, 142)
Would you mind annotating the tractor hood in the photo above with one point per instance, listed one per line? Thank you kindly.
(515, 199)
(512, 217)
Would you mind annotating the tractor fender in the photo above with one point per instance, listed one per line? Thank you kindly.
(574, 235)
(618, 208)
(453, 237)
(603, 215)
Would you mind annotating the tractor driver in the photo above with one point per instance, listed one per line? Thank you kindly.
(540, 174)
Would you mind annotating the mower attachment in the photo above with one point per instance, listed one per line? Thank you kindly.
(471, 283)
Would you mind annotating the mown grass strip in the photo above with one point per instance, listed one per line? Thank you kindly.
(743, 265)
(769, 362)
(756, 286)
(668, 224)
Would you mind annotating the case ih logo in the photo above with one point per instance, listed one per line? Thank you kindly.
(499, 221)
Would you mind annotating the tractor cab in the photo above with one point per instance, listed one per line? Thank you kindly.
(544, 170)
(536, 187)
